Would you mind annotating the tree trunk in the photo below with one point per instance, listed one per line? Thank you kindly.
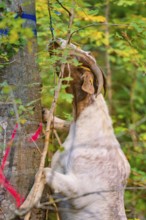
(23, 78)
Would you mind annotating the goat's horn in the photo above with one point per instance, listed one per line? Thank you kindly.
(99, 76)
(90, 62)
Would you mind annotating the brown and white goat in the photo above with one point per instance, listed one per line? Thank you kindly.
(89, 176)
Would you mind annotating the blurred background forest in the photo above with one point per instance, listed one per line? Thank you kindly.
(115, 32)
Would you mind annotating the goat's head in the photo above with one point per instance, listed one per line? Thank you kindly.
(87, 77)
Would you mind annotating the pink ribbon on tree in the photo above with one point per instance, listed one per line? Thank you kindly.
(3, 181)
(36, 135)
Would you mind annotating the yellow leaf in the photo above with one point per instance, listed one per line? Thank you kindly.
(92, 18)
(22, 121)
(13, 36)
(106, 41)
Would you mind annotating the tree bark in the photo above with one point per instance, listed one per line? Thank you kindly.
(23, 78)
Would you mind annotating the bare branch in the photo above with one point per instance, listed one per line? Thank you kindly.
(107, 56)
(71, 17)
(8, 63)
(50, 17)
(27, 216)
(57, 137)
(99, 24)
(69, 13)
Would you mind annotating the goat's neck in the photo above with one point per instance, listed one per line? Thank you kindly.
(94, 122)
(81, 105)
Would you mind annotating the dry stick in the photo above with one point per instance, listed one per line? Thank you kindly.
(27, 216)
(71, 17)
(50, 17)
(48, 127)
(55, 207)
(57, 137)
(107, 57)
(69, 13)
(47, 137)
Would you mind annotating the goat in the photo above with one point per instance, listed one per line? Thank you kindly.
(90, 175)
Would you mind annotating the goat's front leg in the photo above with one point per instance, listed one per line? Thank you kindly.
(61, 183)
(58, 123)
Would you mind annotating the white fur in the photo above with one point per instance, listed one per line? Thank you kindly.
(91, 172)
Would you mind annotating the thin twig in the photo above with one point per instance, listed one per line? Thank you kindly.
(107, 56)
(51, 23)
(99, 24)
(71, 17)
(27, 216)
(38, 149)
(69, 13)
(57, 137)
(55, 208)
(64, 199)
(8, 63)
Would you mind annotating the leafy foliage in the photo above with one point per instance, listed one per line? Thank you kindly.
(13, 36)
(124, 42)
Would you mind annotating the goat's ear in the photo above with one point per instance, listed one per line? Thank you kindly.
(88, 83)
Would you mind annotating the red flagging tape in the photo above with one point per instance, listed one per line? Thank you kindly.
(3, 181)
(6, 184)
(14, 132)
(5, 157)
(9, 147)
(35, 136)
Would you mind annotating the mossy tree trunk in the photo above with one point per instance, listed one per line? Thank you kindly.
(21, 105)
